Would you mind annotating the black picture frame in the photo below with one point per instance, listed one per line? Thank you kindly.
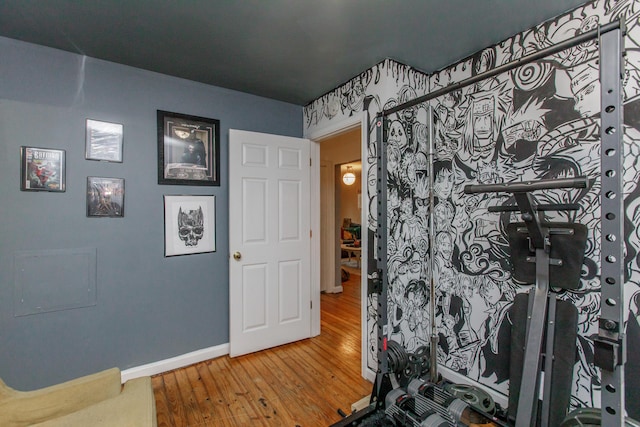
(42, 169)
(105, 197)
(188, 149)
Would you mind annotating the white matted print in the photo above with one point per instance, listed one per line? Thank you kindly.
(104, 141)
(189, 225)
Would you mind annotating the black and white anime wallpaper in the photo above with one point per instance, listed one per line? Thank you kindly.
(539, 121)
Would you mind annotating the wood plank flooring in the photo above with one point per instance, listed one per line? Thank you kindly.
(299, 384)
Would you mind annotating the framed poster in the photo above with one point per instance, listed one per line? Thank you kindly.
(189, 225)
(105, 197)
(42, 169)
(104, 141)
(188, 149)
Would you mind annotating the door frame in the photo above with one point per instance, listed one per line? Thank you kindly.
(316, 137)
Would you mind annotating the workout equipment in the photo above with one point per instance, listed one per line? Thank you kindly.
(566, 254)
(474, 396)
(407, 366)
(415, 401)
(532, 242)
(590, 417)
(456, 398)
(563, 331)
(434, 338)
(408, 410)
(610, 344)
(424, 404)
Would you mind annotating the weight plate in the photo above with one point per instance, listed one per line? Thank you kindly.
(589, 417)
(422, 353)
(473, 396)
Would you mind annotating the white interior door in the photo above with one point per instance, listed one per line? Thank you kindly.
(269, 241)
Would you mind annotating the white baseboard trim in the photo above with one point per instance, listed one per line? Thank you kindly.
(174, 362)
(360, 404)
(334, 290)
(369, 375)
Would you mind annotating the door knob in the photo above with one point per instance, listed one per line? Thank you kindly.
(237, 256)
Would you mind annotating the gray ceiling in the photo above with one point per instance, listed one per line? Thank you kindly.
(291, 50)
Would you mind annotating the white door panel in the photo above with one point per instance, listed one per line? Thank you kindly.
(269, 223)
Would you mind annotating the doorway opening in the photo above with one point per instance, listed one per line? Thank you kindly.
(341, 143)
(338, 203)
(348, 217)
(341, 212)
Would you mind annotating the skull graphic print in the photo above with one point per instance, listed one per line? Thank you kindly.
(191, 226)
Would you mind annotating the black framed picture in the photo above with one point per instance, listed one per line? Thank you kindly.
(189, 224)
(42, 169)
(104, 141)
(105, 197)
(188, 149)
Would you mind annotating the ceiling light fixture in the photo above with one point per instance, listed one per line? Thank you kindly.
(349, 178)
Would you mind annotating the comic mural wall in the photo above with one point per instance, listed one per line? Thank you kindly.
(539, 121)
(385, 85)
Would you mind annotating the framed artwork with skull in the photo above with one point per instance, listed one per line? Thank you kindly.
(188, 149)
(189, 224)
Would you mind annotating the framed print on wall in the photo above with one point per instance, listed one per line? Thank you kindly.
(105, 197)
(188, 149)
(42, 169)
(104, 141)
(189, 225)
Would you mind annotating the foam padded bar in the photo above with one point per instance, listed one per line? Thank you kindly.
(526, 186)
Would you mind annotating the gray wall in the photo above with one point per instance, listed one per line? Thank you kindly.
(148, 307)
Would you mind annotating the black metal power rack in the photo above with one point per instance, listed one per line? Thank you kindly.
(610, 348)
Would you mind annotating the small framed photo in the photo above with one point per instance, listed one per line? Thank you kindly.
(104, 141)
(189, 225)
(42, 169)
(188, 149)
(105, 197)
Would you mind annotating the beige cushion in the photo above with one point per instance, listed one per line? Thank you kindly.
(94, 400)
(134, 407)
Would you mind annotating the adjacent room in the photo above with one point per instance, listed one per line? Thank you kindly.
(285, 213)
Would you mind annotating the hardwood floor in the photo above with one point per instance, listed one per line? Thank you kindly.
(298, 384)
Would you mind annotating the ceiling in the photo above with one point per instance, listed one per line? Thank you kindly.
(290, 50)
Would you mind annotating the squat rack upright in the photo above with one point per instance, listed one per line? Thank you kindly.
(610, 345)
